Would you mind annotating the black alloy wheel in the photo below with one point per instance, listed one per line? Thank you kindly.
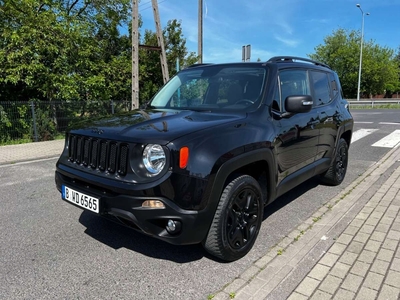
(237, 219)
(337, 171)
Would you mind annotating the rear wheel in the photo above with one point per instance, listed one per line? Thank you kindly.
(338, 168)
(237, 219)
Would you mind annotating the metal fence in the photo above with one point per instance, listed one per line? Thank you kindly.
(374, 102)
(45, 120)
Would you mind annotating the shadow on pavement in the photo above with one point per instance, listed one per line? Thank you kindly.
(118, 236)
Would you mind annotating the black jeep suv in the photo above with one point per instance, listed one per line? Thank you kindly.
(215, 145)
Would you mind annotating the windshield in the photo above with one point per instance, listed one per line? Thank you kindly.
(218, 87)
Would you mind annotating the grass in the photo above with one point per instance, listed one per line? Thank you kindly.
(59, 136)
(376, 106)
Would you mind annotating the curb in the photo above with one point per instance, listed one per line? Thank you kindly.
(266, 274)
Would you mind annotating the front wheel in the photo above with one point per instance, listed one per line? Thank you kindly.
(338, 168)
(237, 219)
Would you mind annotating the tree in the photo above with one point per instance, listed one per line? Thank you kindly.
(341, 52)
(150, 76)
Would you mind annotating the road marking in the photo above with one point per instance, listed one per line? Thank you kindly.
(364, 123)
(359, 134)
(390, 141)
(389, 123)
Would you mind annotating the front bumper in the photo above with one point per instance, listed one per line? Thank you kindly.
(128, 210)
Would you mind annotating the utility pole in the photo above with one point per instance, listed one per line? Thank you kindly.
(135, 54)
(200, 34)
(160, 40)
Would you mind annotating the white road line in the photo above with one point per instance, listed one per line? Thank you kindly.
(364, 123)
(359, 134)
(390, 141)
(389, 123)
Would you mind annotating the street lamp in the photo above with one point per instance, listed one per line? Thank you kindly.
(361, 47)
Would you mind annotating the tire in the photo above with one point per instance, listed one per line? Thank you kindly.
(237, 220)
(337, 170)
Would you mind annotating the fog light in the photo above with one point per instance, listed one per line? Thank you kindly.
(173, 226)
(153, 204)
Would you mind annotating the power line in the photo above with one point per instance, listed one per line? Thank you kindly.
(150, 5)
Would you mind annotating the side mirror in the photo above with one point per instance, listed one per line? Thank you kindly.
(298, 103)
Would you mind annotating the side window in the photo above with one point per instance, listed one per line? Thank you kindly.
(293, 82)
(321, 88)
(334, 85)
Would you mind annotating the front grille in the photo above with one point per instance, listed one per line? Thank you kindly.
(103, 155)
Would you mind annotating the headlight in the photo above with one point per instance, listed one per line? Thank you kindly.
(154, 159)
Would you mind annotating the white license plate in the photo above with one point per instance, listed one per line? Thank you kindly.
(80, 199)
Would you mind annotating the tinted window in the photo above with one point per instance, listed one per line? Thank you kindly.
(334, 85)
(321, 88)
(293, 82)
(213, 87)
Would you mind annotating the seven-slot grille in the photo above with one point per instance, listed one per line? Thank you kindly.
(99, 154)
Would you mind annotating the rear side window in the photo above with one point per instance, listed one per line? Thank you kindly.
(322, 92)
(334, 85)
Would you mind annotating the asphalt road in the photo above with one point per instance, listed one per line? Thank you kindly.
(51, 250)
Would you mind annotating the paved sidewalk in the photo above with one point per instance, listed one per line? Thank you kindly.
(349, 249)
(25, 152)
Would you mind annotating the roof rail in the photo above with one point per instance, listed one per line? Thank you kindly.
(198, 65)
(293, 58)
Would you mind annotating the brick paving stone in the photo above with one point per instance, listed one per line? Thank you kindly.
(329, 259)
(362, 216)
(352, 282)
(337, 249)
(380, 266)
(307, 286)
(321, 295)
(396, 226)
(373, 246)
(351, 230)
(394, 235)
(382, 228)
(319, 272)
(373, 281)
(387, 220)
(380, 208)
(297, 296)
(376, 214)
(385, 254)
(355, 247)
(367, 256)
(348, 258)
(366, 294)
(344, 295)
(367, 228)
(390, 244)
(397, 252)
(357, 223)
(344, 239)
(340, 270)
(361, 237)
(395, 265)
(378, 236)
(330, 284)
(390, 214)
(360, 268)
(367, 210)
(372, 221)
(388, 293)
(393, 278)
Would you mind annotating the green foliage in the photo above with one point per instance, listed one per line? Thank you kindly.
(72, 52)
(341, 51)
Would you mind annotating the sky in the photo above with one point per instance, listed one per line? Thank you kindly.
(275, 27)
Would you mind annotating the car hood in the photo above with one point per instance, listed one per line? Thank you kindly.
(152, 126)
